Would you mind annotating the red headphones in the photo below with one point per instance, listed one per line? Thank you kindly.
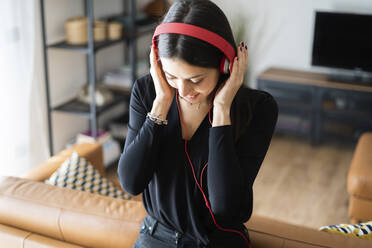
(225, 67)
(201, 34)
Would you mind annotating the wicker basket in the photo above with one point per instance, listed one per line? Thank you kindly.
(77, 30)
(115, 30)
(99, 30)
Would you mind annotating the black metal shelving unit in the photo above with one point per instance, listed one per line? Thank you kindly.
(76, 107)
(129, 37)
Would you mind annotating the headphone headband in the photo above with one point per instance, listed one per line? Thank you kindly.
(199, 33)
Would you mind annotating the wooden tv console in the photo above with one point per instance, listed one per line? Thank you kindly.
(311, 105)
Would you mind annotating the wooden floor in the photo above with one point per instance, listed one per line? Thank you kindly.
(301, 184)
(304, 184)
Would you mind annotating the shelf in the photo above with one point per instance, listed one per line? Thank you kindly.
(353, 116)
(84, 48)
(308, 78)
(288, 104)
(74, 106)
(290, 94)
(140, 30)
(292, 111)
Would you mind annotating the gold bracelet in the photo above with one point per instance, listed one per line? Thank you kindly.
(156, 119)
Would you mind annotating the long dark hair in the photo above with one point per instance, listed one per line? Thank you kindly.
(205, 14)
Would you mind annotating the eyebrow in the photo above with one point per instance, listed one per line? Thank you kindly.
(186, 78)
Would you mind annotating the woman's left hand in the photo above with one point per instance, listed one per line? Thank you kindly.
(228, 89)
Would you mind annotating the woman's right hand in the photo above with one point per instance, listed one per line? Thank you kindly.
(164, 92)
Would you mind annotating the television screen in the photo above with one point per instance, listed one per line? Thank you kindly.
(343, 40)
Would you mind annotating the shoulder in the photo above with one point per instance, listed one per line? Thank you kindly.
(258, 100)
(255, 114)
(144, 85)
(144, 90)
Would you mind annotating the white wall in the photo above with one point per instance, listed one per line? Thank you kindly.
(280, 32)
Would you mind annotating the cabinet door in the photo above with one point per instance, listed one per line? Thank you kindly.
(346, 114)
(287, 92)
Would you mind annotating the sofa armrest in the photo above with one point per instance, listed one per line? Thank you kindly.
(359, 178)
(91, 151)
(69, 215)
(268, 232)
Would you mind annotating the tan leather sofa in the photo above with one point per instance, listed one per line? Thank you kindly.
(359, 181)
(34, 214)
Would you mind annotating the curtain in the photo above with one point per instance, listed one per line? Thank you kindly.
(17, 29)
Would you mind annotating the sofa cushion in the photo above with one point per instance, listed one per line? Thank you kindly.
(73, 216)
(92, 152)
(362, 230)
(77, 173)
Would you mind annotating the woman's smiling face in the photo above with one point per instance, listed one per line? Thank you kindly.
(193, 83)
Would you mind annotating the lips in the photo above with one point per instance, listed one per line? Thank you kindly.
(192, 97)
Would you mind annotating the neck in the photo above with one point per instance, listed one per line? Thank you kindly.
(195, 105)
(208, 103)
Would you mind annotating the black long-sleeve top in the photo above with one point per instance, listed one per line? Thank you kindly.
(154, 163)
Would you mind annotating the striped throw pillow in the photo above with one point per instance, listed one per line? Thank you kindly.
(362, 230)
(77, 173)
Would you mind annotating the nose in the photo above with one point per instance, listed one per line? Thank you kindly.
(184, 88)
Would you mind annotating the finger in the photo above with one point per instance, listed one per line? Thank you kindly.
(244, 56)
(242, 62)
(243, 47)
(156, 62)
(246, 53)
(153, 59)
(241, 57)
(235, 68)
(152, 56)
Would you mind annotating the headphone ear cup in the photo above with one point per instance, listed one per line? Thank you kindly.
(225, 65)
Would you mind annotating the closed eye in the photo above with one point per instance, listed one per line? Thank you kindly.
(197, 81)
(194, 82)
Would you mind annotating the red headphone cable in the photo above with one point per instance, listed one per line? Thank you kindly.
(201, 177)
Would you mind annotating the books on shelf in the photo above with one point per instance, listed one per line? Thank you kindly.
(121, 78)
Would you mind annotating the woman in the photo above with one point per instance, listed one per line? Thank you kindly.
(196, 138)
